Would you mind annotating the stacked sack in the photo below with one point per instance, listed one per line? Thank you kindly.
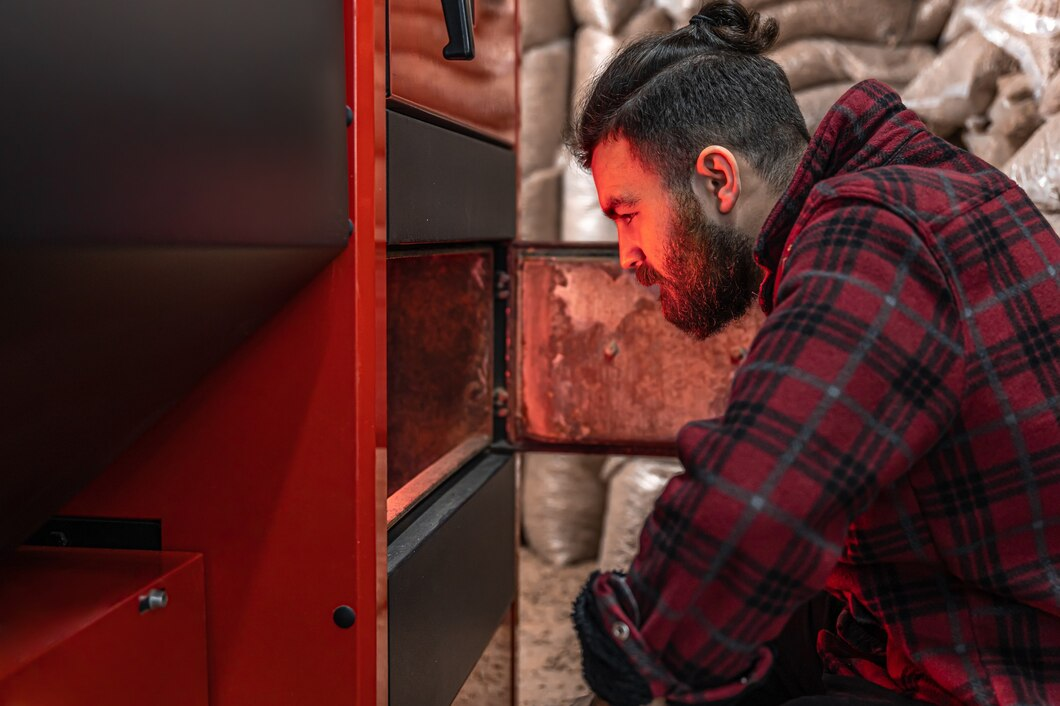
(995, 90)
(826, 46)
(984, 74)
(544, 90)
(603, 27)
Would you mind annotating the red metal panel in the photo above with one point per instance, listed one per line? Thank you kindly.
(268, 467)
(73, 631)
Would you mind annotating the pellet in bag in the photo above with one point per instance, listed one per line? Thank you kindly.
(544, 105)
(540, 193)
(1036, 166)
(1014, 114)
(562, 506)
(583, 221)
(993, 148)
(1028, 30)
(960, 83)
(812, 62)
(543, 21)
(633, 486)
(887, 22)
(608, 15)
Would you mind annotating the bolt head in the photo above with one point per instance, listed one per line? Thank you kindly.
(344, 617)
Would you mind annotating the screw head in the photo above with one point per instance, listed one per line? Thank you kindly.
(344, 617)
(155, 599)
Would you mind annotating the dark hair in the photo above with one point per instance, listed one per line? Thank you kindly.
(707, 83)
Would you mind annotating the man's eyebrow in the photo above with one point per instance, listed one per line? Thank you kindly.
(615, 202)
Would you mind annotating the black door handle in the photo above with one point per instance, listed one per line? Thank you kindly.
(459, 24)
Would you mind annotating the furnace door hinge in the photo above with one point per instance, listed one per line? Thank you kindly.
(503, 285)
(500, 401)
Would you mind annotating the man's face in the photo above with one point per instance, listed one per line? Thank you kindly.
(706, 271)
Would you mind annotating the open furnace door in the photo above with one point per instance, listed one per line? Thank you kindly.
(594, 366)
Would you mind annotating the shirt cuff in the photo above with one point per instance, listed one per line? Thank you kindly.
(616, 663)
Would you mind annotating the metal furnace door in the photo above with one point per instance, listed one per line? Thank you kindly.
(596, 367)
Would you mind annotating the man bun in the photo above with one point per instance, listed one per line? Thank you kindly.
(726, 25)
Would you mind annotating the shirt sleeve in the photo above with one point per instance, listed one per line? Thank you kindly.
(855, 374)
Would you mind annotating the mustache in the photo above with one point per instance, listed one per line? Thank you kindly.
(647, 275)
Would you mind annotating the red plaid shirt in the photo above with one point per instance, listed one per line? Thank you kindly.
(893, 437)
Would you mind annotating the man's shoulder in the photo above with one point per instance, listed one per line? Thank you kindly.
(926, 197)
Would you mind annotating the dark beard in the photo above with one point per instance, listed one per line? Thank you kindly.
(713, 275)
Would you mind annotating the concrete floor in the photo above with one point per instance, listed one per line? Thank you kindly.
(548, 660)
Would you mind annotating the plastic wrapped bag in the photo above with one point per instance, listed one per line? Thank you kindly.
(1050, 103)
(544, 105)
(993, 148)
(608, 15)
(887, 22)
(958, 24)
(1036, 167)
(563, 506)
(1029, 30)
(539, 205)
(592, 49)
(542, 21)
(812, 62)
(633, 486)
(1014, 114)
(583, 221)
(960, 83)
(931, 17)
(816, 102)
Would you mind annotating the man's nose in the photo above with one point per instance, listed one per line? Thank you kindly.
(629, 253)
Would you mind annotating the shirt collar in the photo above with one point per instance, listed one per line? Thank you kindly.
(864, 129)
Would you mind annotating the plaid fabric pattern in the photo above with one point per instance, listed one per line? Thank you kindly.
(893, 437)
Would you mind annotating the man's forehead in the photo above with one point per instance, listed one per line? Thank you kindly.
(621, 179)
(613, 153)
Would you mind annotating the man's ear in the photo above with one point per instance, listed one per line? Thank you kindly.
(721, 173)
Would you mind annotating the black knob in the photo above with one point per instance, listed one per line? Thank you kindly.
(344, 617)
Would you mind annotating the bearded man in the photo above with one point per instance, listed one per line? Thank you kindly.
(893, 437)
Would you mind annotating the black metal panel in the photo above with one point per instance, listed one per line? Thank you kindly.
(99, 533)
(170, 174)
(165, 122)
(451, 577)
(443, 186)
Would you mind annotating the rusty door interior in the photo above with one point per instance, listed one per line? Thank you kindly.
(595, 367)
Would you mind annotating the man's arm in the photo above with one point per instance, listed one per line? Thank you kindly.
(854, 375)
